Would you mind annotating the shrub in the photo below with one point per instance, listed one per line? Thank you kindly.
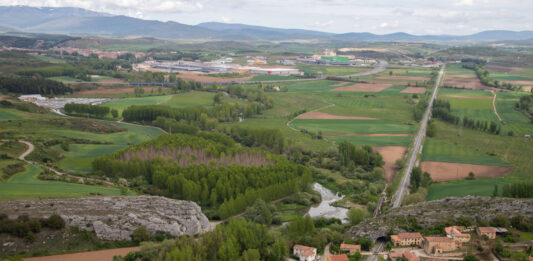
(140, 234)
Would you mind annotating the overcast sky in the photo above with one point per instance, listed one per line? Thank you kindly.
(338, 16)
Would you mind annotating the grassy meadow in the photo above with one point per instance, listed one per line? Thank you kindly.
(26, 185)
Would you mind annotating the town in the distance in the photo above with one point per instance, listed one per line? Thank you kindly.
(125, 138)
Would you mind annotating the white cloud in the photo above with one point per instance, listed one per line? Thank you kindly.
(464, 3)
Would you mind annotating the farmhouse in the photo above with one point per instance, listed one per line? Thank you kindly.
(490, 232)
(351, 249)
(407, 239)
(341, 257)
(454, 233)
(305, 253)
(438, 245)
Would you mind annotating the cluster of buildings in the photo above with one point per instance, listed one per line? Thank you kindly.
(219, 66)
(455, 237)
(305, 253)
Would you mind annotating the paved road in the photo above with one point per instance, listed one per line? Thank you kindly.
(412, 160)
(417, 145)
(382, 66)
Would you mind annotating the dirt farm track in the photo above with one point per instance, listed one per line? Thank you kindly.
(101, 255)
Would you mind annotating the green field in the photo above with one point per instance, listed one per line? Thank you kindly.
(461, 188)
(6, 114)
(436, 150)
(352, 126)
(330, 70)
(122, 104)
(80, 156)
(191, 99)
(26, 185)
(514, 120)
(473, 108)
(464, 92)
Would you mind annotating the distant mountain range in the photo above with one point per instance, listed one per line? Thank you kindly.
(77, 21)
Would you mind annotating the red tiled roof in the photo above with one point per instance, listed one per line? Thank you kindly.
(350, 246)
(487, 229)
(439, 239)
(309, 252)
(410, 256)
(342, 257)
(409, 235)
(303, 248)
(396, 254)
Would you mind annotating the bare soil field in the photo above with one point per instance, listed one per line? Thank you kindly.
(316, 115)
(363, 87)
(527, 88)
(390, 154)
(414, 90)
(386, 82)
(465, 97)
(101, 90)
(188, 76)
(368, 135)
(520, 82)
(403, 77)
(467, 81)
(446, 171)
(103, 255)
(495, 68)
(340, 84)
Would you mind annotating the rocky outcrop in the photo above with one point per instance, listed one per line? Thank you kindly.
(429, 214)
(115, 218)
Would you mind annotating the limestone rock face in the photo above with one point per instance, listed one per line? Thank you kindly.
(429, 214)
(115, 218)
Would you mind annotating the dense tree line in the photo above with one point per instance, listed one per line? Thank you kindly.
(95, 111)
(238, 240)
(227, 188)
(525, 104)
(364, 157)
(442, 110)
(27, 85)
(271, 139)
(518, 190)
(199, 116)
(477, 61)
(252, 95)
(485, 79)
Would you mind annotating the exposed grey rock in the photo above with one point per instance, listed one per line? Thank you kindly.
(429, 214)
(115, 218)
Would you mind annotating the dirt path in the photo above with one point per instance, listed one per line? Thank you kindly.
(321, 108)
(27, 152)
(494, 106)
(101, 255)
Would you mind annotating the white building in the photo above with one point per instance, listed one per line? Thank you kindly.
(305, 253)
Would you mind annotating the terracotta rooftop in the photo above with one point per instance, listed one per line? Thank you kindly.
(487, 229)
(309, 252)
(410, 256)
(342, 257)
(409, 235)
(350, 246)
(303, 248)
(439, 239)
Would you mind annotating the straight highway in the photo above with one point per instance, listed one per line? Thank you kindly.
(411, 161)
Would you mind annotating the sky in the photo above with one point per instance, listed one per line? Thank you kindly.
(457, 17)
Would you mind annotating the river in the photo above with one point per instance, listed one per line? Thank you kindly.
(325, 209)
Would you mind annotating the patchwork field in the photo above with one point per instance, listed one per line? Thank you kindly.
(330, 70)
(414, 90)
(352, 126)
(329, 116)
